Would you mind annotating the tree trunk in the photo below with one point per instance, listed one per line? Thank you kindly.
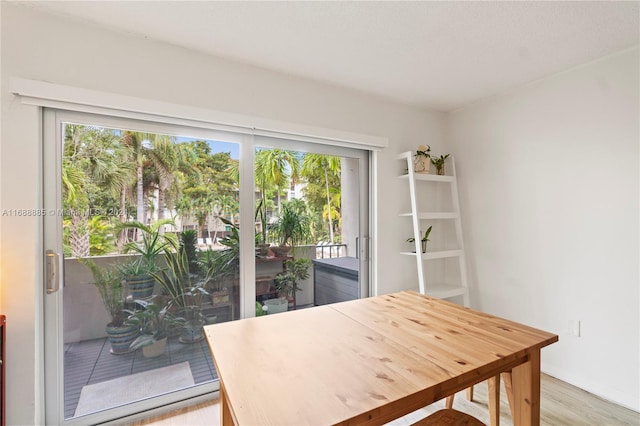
(326, 182)
(140, 199)
(79, 235)
(123, 218)
(161, 203)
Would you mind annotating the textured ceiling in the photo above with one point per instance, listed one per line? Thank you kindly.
(440, 55)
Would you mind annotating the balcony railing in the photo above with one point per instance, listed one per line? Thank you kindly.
(329, 251)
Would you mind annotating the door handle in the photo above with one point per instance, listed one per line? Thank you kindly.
(357, 247)
(52, 271)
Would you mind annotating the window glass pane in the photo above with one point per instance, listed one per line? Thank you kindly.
(307, 219)
(150, 256)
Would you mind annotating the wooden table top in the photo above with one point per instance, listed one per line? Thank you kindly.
(367, 360)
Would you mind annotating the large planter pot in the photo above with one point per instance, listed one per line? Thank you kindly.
(276, 306)
(121, 338)
(155, 349)
(192, 330)
(140, 286)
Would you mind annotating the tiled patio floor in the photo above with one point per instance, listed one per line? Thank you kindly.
(91, 362)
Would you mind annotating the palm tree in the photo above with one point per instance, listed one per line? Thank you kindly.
(202, 204)
(94, 162)
(136, 143)
(328, 164)
(274, 168)
(164, 157)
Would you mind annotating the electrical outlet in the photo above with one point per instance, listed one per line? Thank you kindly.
(573, 327)
(576, 328)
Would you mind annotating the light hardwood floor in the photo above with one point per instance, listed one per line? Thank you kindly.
(561, 405)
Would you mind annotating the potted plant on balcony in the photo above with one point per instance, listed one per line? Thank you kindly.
(222, 267)
(154, 323)
(185, 291)
(286, 282)
(291, 227)
(137, 273)
(109, 285)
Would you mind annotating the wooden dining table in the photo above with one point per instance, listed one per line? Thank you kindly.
(369, 361)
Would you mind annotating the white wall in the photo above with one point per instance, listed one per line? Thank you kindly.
(57, 50)
(549, 195)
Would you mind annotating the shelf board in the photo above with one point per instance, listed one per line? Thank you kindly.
(443, 291)
(430, 178)
(433, 215)
(442, 254)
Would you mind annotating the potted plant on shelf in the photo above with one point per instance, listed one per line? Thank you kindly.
(109, 285)
(421, 162)
(286, 282)
(291, 227)
(439, 163)
(423, 240)
(137, 272)
(154, 323)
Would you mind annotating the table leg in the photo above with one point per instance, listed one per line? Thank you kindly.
(526, 391)
(225, 411)
(506, 378)
(494, 400)
(449, 401)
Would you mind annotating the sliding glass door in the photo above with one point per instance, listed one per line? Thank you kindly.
(152, 231)
(142, 252)
(311, 225)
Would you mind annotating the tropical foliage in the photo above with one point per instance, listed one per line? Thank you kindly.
(113, 178)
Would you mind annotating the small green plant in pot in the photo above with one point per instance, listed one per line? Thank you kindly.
(154, 323)
(287, 282)
(423, 240)
(109, 285)
(439, 162)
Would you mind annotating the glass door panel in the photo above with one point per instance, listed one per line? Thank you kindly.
(144, 220)
(311, 220)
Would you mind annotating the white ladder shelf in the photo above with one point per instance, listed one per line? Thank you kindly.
(442, 290)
